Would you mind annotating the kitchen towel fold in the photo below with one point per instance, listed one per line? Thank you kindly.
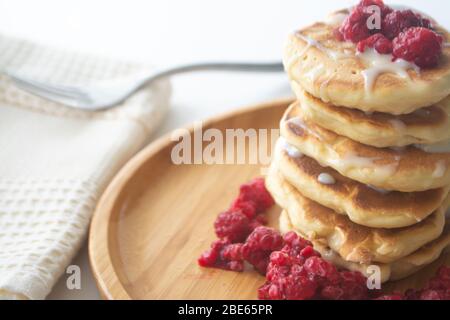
(56, 161)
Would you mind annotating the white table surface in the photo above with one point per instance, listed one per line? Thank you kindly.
(174, 31)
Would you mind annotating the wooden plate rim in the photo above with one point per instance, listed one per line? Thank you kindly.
(99, 233)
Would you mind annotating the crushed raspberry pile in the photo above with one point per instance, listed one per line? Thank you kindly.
(293, 269)
(403, 33)
(241, 234)
(437, 288)
(297, 272)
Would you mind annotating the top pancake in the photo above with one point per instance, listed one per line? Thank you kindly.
(424, 126)
(329, 69)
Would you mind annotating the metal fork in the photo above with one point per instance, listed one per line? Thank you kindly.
(107, 95)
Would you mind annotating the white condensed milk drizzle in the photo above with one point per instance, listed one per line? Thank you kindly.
(398, 125)
(379, 190)
(298, 122)
(441, 147)
(325, 178)
(378, 64)
(312, 43)
(291, 150)
(440, 169)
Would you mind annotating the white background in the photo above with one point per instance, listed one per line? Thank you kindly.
(167, 32)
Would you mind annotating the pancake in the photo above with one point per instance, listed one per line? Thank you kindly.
(353, 242)
(425, 126)
(396, 270)
(361, 203)
(329, 69)
(408, 169)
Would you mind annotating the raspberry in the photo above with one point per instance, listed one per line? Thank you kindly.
(215, 257)
(209, 257)
(437, 288)
(426, 23)
(308, 252)
(378, 41)
(269, 291)
(247, 207)
(355, 27)
(354, 290)
(298, 249)
(266, 239)
(419, 45)
(233, 226)
(321, 270)
(293, 240)
(258, 221)
(440, 292)
(280, 258)
(259, 245)
(347, 286)
(263, 292)
(298, 288)
(398, 21)
(432, 295)
(236, 266)
(332, 293)
(288, 288)
(275, 272)
(367, 3)
(391, 297)
(411, 294)
(254, 193)
(441, 281)
(444, 273)
(233, 252)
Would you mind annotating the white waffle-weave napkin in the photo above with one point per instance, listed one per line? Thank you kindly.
(55, 161)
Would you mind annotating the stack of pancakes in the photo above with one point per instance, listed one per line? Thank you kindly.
(363, 171)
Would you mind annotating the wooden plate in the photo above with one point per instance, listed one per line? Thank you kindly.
(156, 218)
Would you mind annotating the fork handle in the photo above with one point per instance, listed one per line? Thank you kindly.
(223, 66)
(212, 66)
